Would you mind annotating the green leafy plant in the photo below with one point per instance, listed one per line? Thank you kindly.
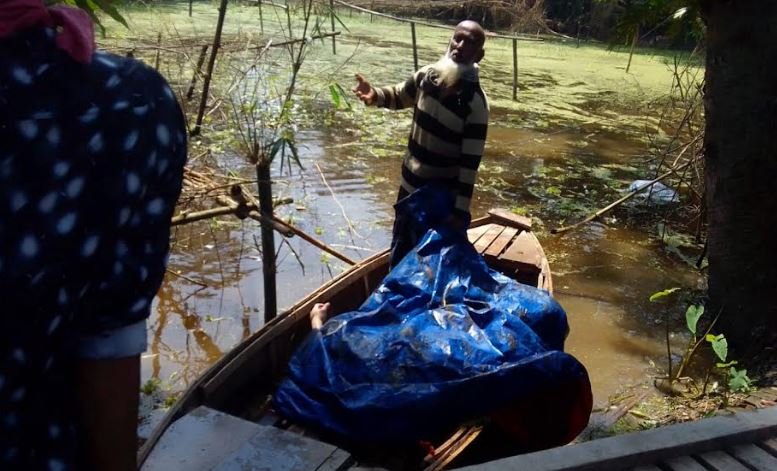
(736, 379)
(93, 7)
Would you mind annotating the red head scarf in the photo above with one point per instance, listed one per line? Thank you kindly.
(75, 30)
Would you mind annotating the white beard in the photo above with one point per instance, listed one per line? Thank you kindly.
(449, 72)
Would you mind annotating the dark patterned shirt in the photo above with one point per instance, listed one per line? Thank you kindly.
(91, 162)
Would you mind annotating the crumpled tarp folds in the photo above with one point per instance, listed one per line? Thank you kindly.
(442, 340)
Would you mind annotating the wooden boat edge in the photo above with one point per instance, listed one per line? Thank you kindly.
(209, 381)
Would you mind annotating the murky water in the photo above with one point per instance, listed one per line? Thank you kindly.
(556, 170)
(603, 274)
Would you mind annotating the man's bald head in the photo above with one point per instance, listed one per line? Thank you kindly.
(473, 27)
(467, 43)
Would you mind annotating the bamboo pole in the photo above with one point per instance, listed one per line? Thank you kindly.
(332, 7)
(186, 218)
(300, 40)
(197, 72)
(633, 44)
(264, 184)
(238, 210)
(288, 19)
(415, 47)
(515, 69)
(158, 51)
(211, 64)
(314, 241)
(261, 18)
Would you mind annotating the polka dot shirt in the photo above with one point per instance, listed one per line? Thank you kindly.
(91, 162)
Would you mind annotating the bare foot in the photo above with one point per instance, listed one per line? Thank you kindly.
(319, 315)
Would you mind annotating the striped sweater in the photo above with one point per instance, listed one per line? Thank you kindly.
(447, 135)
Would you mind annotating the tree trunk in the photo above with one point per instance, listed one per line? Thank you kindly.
(741, 167)
(268, 239)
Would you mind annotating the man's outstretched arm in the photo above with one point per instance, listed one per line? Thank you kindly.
(395, 97)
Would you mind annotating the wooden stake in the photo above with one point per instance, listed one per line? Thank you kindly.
(415, 48)
(211, 64)
(332, 7)
(158, 50)
(633, 44)
(515, 69)
(261, 18)
(313, 241)
(264, 184)
(197, 72)
(190, 8)
(288, 19)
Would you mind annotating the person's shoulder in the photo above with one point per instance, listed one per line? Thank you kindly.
(129, 74)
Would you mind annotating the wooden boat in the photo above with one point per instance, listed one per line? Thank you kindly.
(224, 420)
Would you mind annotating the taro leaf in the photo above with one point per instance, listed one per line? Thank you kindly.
(662, 294)
(719, 346)
(692, 316)
(738, 381)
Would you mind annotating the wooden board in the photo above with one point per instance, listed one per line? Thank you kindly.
(524, 251)
(755, 457)
(649, 446)
(722, 461)
(684, 463)
(206, 439)
(501, 242)
(510, 219)
(771, 445)
(476, 232)
(486, 239)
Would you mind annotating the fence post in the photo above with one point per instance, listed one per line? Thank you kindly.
(415, 48)
(197, 72)
(211, 64)
(261, 18)
(332, 7)
(515, 69)
(158, 50)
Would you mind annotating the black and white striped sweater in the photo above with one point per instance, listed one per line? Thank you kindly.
(447, 135)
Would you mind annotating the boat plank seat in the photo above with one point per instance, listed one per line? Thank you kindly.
(741, 441)
(206, 439)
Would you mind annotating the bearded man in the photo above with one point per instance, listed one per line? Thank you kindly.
(450, 120)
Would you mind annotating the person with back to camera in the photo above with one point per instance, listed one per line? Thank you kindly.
(92, 149)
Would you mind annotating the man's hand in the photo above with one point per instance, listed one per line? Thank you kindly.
(364, 90)
(319, 315)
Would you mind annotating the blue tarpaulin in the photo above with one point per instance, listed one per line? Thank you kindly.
(442, 340)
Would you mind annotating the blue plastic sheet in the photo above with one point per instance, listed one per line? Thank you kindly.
(442, 340)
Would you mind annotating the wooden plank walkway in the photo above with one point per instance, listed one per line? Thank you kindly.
(742, 441)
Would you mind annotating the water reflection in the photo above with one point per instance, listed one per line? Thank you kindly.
(603, 273)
